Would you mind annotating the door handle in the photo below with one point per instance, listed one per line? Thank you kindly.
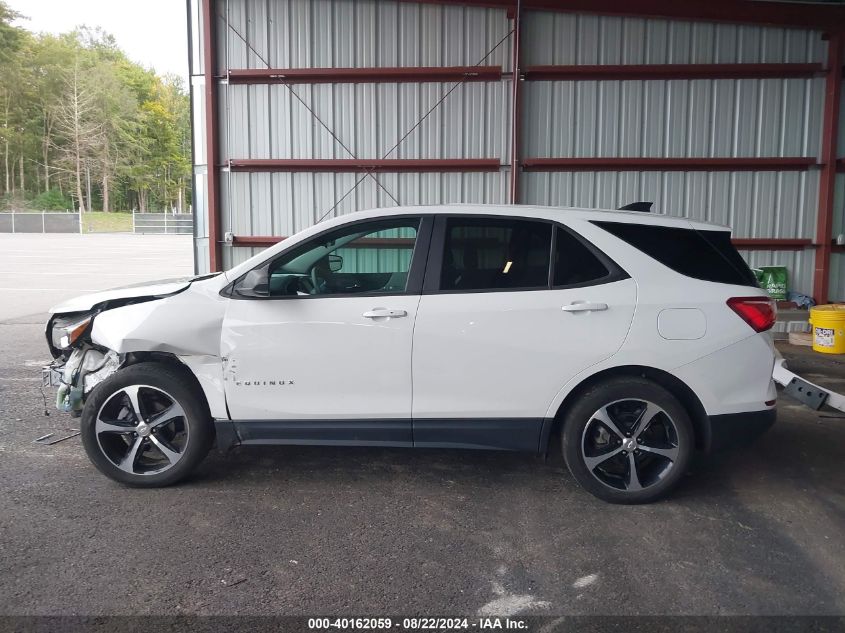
(380, 313)
(584, 306)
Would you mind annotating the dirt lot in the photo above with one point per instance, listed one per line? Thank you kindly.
(370, 531)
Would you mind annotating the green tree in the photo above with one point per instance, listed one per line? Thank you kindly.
(78, 118)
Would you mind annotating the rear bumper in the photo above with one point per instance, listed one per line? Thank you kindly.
(737, 429)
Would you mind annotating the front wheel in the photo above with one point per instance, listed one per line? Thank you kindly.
(146, 425)
(627, 440)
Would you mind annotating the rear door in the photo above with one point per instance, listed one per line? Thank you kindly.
(503, 324)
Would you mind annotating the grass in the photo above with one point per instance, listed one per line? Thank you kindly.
(99, 222)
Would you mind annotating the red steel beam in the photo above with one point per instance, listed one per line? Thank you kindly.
(516, 104)
(796, 163)
(392, 165)
(785, 14)
(209, 18)
(256, 240)
(376, 242)
(671, 71)
(775, 244)
(827, 183)
(746, 244)
(400, 74)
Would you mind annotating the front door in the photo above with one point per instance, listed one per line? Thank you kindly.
(325, 343)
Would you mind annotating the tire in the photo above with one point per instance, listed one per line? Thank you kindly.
(176, 435)
(624, 422)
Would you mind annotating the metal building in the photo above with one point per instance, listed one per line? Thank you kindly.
(723, 110)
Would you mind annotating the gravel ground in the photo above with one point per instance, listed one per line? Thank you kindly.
(304, 531)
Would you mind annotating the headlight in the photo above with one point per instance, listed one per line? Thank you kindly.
(67, 330)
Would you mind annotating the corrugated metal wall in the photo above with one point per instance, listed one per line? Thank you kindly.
(369, 120)
(837, 260)
(679, 119)
(654, 118)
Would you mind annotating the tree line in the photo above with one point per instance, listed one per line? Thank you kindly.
(83, 127)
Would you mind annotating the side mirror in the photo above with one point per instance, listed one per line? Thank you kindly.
(256, 283)
(335, 263)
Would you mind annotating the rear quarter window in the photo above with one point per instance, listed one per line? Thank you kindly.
(705, 255)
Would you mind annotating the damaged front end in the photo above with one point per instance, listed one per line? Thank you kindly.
(94, 336)
(85, 368)
(79, 365)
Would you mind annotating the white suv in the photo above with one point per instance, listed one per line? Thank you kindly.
(634, 338)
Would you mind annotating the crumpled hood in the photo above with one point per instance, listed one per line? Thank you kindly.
(160, 288)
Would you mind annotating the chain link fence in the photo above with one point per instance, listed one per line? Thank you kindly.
(40, 222)
(163, 223)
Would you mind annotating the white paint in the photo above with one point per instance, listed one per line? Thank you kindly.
(507, 604)
(585, 581)
(342, 364)
(149, 289)
(506, 354)
(682, 324)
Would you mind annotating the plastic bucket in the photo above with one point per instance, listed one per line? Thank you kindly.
(828, 323)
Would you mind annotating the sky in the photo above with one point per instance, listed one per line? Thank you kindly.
(152, 33)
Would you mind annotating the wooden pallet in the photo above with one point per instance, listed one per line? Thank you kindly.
(804, 339)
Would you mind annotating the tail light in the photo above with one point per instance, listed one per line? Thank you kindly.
(759, 312)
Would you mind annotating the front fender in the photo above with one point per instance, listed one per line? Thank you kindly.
(187, 323)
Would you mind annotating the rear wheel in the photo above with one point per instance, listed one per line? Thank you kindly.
(627, 440)
(146, 426)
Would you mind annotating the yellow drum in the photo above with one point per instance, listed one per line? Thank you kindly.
(828, 323)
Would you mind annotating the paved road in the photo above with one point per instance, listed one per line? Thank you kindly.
(371, 531)
(37, 270)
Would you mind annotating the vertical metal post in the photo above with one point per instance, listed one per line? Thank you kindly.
(516, 102)
(827, 184)
(43, 223)
(13, 220)
(79, 221)
(209, 18)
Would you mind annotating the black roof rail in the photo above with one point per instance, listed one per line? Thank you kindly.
(645, 207)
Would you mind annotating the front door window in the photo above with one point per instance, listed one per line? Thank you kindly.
(371, 258)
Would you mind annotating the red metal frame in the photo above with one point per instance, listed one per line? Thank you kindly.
(827, 183)
(398, 74)
(256, 240)
(380, 242)
(209, 17)
(797, 163)
(776, 244)
(746, 244)
(794, 15)
(516, 105)
(389, 165)
(671, 71)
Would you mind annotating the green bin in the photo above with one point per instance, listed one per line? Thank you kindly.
(774, 280)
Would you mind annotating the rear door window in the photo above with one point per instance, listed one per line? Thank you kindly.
(575, 263)
(495, 254)
(706, 255)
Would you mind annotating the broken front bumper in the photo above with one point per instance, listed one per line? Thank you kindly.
(85, 368)
(51, 376)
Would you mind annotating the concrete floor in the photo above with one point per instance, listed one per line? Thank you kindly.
(37, 270)
(374, 531)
